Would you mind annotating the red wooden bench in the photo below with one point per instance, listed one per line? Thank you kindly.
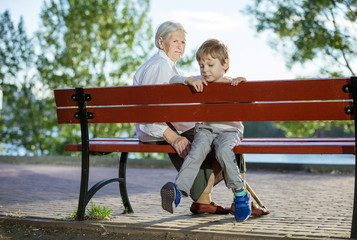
(275, 100)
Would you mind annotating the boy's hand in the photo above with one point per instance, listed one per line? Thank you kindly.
(236, 81)
(197, 84)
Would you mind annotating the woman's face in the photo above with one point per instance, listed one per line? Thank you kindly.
(175, 45)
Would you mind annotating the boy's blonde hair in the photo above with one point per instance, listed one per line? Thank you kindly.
(215, 49)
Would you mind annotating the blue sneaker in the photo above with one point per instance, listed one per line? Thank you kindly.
(242, 208)
(170, 197)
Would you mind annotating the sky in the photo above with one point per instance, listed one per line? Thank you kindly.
(251, 56)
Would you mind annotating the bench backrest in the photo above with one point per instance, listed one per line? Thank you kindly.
(274, 100)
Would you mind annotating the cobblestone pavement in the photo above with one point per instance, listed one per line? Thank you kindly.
(303, 205)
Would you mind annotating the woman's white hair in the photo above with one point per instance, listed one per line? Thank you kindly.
(165, 29)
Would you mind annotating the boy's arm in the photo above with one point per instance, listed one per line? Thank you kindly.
(178, 79)
(197, 82)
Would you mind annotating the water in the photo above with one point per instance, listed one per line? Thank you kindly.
(343, 159)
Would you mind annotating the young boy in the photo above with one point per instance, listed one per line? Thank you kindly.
(213, 59)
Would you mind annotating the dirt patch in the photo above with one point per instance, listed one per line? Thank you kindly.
(11, 230)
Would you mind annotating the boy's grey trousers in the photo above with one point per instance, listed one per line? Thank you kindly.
(223, 141)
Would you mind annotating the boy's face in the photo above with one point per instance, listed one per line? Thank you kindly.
(212, 69)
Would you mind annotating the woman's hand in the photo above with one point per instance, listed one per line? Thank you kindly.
(181, 144)
(197, 84)
(236, 81)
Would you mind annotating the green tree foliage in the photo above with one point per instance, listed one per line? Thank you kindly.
(262, 129)
(81, 43)
(323, 32)
(317, 128)
(27, 121)
(92, 43)
(16, 50)
(188, 61)
(24, 121)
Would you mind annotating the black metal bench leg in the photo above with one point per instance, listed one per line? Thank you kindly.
(84, 189)
(354, 214)
(82, 115)
(122, 184)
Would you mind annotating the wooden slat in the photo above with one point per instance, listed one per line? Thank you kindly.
(278, 111)
(297, 148)
(63, 97)
(278, 90)
(245, 147)
(344, 139)
(115, 139)
(107, 146)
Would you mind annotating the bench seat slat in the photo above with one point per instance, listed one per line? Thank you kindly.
(297, 148)
(345, 139)
(301, 147)
(279, 111)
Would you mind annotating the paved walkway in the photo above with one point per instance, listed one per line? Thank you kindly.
(303, 205)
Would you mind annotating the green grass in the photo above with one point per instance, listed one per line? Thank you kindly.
(17, 214)
(95, 212)
(98, 213)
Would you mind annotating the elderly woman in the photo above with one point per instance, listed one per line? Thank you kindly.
(170, 39)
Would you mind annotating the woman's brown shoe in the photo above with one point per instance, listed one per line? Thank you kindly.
(256, 210)
(198, 208)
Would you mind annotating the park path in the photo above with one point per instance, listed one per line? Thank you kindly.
(303, 205)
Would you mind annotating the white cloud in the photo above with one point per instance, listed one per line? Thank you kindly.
(204, 20)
